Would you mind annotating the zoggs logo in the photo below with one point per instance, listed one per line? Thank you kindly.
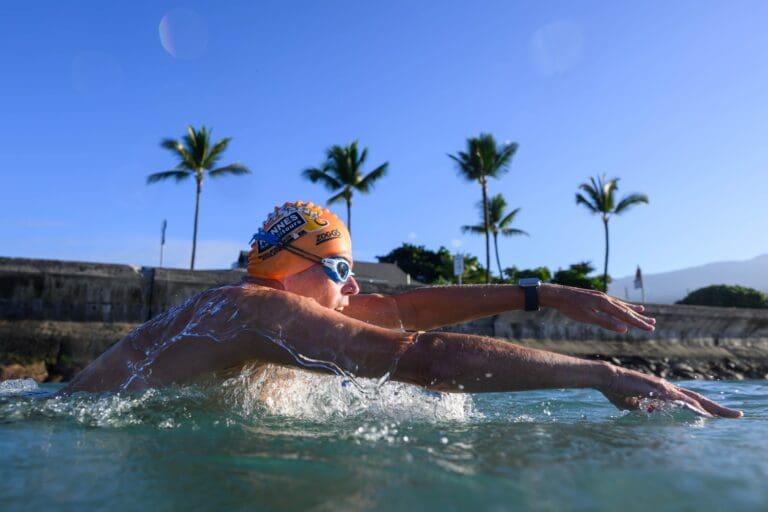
(329, 235)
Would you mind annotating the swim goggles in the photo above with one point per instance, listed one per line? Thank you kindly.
(338, 269)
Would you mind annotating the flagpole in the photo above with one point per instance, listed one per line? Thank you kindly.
(162, 241)
(639, 283)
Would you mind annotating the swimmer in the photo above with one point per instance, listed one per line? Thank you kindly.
(300, 306)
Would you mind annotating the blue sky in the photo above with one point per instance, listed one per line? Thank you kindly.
(672, 97)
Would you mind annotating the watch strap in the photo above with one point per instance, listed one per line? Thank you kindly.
(530, 286)
(531, 297)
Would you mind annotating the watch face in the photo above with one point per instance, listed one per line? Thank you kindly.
(530, 281)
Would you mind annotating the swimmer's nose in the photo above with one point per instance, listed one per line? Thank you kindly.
(350, 287)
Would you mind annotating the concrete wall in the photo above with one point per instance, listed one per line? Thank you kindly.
(63, 314)
(675, 324)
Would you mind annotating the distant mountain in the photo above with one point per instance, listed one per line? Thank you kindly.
(669, 287)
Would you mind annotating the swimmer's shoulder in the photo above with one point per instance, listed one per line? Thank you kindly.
(250, 292)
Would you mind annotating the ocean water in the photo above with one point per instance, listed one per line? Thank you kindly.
(323, 443)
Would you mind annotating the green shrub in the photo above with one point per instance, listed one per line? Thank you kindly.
(726, 296)
(514, 274)
(578, 275)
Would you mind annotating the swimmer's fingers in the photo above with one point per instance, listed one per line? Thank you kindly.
(710, 405)
(627, 313)
(620, 320)
(596, 307)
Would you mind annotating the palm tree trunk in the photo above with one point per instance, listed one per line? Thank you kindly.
(349, 215)
(496, 248)
(194, 231)
(605, 267)
(487, 235)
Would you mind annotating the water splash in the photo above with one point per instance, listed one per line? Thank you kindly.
(17, 387)
(282, 391)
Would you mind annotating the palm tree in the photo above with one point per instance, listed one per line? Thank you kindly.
(343, 170)
(483, 159)
(498, 222)
(196, 155)
(600, 200)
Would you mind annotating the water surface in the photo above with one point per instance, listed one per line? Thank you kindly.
(324, 444)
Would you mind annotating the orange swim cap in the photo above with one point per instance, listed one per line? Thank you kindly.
(302, 225)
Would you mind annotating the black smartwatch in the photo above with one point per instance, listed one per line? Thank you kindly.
(530, 286)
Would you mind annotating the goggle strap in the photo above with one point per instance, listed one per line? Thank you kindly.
(264, 236)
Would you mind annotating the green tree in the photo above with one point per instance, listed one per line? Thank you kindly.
(197, 156)
(342, 171)
(600, 199)
(422, 264)
(430, 267)
(484, 159)
(498, 222)
(515, 274)
(726, 296)
(578, 276)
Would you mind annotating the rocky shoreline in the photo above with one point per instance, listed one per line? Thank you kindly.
(723, 369)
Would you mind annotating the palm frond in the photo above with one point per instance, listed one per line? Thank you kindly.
(177, 174)
(590, 206)
(508, 219)
(178, 149)
(344, 195)
(512, 232)
(595, 191)
(338, 165)
(466, 164)
(478, 230)
(609, 192)
(215, 152)
(496, 206)
(172, 144)
(232, 169)
(314, 175)
(508, 151)
(629, 201)
(368, 181)
(359, 161)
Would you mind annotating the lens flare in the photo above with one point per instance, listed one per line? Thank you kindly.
(557, 47)
(183, 34)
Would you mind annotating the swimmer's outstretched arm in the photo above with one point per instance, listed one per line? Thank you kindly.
(460, 362)
(431, 307)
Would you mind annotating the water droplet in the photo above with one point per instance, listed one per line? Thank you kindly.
(443, 440)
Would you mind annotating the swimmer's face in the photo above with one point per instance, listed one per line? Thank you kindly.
(315, 283)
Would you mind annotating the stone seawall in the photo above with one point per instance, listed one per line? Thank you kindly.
(55, 317)
(689, 341)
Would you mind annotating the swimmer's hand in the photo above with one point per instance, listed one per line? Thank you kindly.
(626, 389)
(594, 307)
